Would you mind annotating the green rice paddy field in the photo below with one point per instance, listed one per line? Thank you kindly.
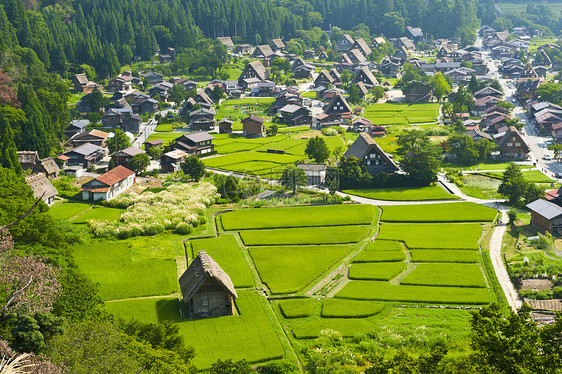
(446, 212)
(430, 236)
(67, 211)
(404, 193)
(305, 235)
(401, 114)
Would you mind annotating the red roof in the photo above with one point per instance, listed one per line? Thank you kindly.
(63, 157)
(115, 175)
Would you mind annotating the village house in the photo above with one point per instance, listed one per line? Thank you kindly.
(225, 126)
(323, 79)
(377, 41)
(277, 45)
(415, 33)
(362, 46)
(108, 185)
(355, 56)
(345, 43)
(253, 70)
(161, 89)
(84, 155)
(170, 162)
(152, 77)
(366, 76)
(203, 99)
(512, 145)
(206, 289)
(28, 159)
(262, 51)
(295, 115)
(47, 166)
(95, 137)
(119, 84)
(243, 49)
(418, 92)
(338, 108)
(546, 216)
(315, 173)
(253, 127)
(76, 126)
(194, 143)
(153, 143)
(488, 91)
(42, 188)
(371, 155)
(125, 156)
(131, 123)
(81, 83)
(202, 120)
(526, 88)
(226, 41)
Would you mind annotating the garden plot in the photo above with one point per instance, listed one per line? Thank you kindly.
(305, 235)
(404, 193)
(461, 275)
(324, 215)
(431, 236)
(297, 308)
(226, 251)
(347, 327)
(119, 276)
(444, 212)
(384, 291)
(445, 255)
(250, 335)
(340, 308)
(67, 211)
(376, 271)
(290, 269)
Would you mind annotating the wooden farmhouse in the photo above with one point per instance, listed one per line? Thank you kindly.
(206, 289)
(338, 108)
(418, 92)
(95, 137)
(195, 143)
(108, 185)
(366, 150)
(253, 127)
(366, 76)
(42, 188)
(546, 216)
(225, 126)
(512, 146)
(125, 156)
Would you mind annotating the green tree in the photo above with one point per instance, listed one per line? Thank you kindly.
(178, 94)
(440, 86)
(33, 331)
(118, 142)
(463, 147)
(217, 93)
(422, 159)
(139, 163)
(97, 100)
(473, 85)
(8, 150)
(193, 167)
(272, 129)
(317, 149)
(293, 177)
(352, 173)
(354, 94)
(513, 186)
(230, 367)
(377, 92)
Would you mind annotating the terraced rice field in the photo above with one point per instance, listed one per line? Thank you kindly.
(376, 270)
(297, 308)
(401, 114)
(404, 194)
(445, 212)
(431, 236)
(67, 211)
(340, 308)
(305, 235)
(324, 215)
(445, 255)
(290, 269)
(446, 275)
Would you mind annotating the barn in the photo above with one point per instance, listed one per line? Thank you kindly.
(206, 289)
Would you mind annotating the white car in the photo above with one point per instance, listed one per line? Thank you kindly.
(547, 157)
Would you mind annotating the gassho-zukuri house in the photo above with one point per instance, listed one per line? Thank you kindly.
(206, 289)
(108, 185)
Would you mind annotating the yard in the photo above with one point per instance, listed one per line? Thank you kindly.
(404, 193)
(326, 215)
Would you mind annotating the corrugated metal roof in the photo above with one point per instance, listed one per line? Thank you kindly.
(545, 208)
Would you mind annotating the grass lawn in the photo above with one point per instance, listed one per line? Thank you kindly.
(99, 214)
(379, 256)
(167, 137)
(384, 291)
(227, 252)
(68, 210)
(251, 335)
(305, 235)
(404, 193)
(376, 270)
(297, 308)
(347, 327)
(111, 265)
(445, 255)
(340, 308)
(481, 187)
(461, 275)
(290, 269)
(431, 236)
(446, 212)
(165, 127)
(323, 215)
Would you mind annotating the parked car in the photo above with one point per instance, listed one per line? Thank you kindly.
(547, 157)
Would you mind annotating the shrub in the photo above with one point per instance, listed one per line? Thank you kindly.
(330, 132)
(183, 229)
(154, 229)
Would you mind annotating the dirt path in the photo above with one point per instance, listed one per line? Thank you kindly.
(497, 262)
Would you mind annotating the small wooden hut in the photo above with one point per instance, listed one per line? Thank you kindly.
(206, 289)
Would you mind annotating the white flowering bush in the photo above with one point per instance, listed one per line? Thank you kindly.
(179, 206)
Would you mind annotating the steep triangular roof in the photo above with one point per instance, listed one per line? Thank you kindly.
(365, 73)
(363, 144)
(324, 76)
(505, 138)
(199, 271)
(338, 97)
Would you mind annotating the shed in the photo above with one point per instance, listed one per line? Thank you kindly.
(546, 216)
(253, 127)
(206, 289)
